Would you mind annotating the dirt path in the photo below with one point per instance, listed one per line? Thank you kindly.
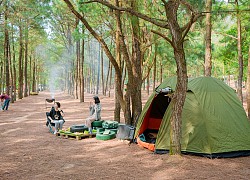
(29, 151)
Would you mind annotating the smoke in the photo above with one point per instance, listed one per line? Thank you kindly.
(51, 81)
(57, 63)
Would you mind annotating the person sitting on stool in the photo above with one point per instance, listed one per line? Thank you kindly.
(95, 113)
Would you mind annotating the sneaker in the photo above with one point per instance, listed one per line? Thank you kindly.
(55, 132)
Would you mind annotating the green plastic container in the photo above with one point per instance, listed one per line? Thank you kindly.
(105, 137)
(100, 130)
(114, 130)
(110, 124)
(97, 123)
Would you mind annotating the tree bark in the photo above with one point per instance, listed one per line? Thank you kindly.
(148, 81)
(77, 64)
(20, 65)
(181, 87)
(14, 65)
(71, 79)
(155, 65)
(110, 80)
(6, 51)
(102, 72)
(34, 77)
(135, 81)
(248, 84)
(240, 56)
(30, 74)
(26, 61)
(118, 80)
(208, 49)
(11, 73)
(98, 69)
(82, 72)
(161, 72)
(107, 79)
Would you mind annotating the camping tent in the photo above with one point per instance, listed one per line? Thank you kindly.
(214, 123)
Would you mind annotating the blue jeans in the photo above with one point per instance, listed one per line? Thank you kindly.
(58, 124)
(6, 104)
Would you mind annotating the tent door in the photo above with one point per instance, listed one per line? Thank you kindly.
(153, 119)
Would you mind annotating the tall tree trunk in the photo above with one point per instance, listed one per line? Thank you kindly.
(20, 66)
(98, 70)
(240, 56)
(161, 72)
(118, 80)
(107, 79)
(11, 73)
(248, 84)
(14, 65)
(34, 77)
(102, 72)
(110, 80)
(155, 65)
(30, 75)
(136, 82)
(6, 51)
(1, 76)
(208, 50)
(77, 72)
(77, 64)
(148, 81)
(181, 87)
(37, 76)
(26, 61)
(82, 73)
(71, 61)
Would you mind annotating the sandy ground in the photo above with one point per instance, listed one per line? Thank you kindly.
(29, 151)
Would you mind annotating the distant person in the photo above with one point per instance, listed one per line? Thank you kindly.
(5, 99)
(94, 112)
(56, 114)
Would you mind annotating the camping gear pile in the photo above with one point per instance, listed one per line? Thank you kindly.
(103, 130)
(77, 132)
(214, 123)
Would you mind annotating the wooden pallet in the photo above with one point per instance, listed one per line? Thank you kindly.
(77, 137)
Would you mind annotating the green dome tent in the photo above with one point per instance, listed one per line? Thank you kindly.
(214, 123)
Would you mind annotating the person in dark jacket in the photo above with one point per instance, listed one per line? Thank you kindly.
(6, 101)
(56, 114)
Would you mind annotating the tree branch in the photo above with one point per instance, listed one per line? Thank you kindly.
(194, 17)
(164, 2)
(233, 37)
(96, 36)
(187, 5)
(187, 27)
(164, 37)
(131, 11)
